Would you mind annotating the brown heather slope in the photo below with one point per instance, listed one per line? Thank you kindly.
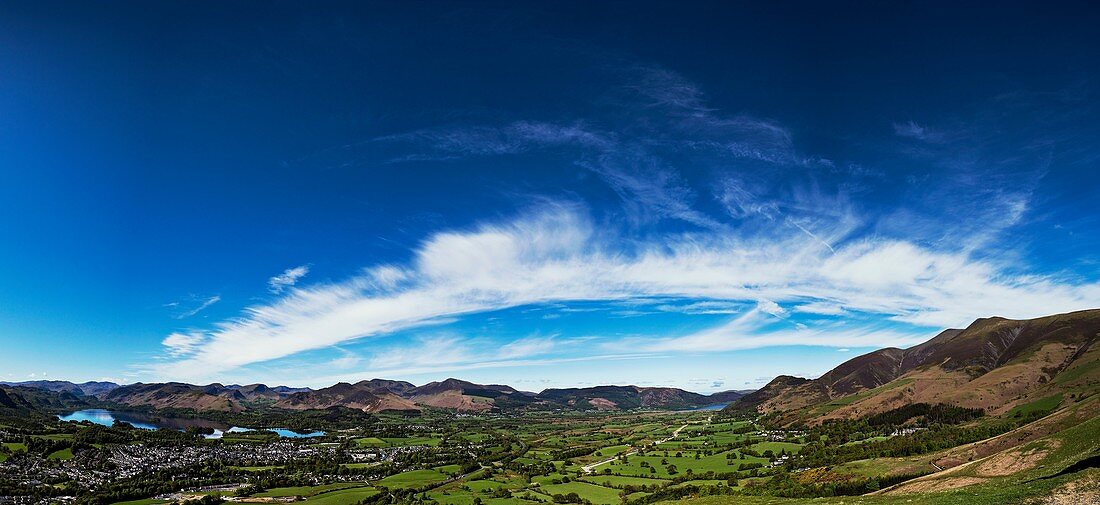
(461, 395)
(776, 387)
(368, 396)
(994, 364)
(178, 395)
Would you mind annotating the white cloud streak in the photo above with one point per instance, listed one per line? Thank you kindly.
(287, 279)
(203, 304)
(555, 254)
(748, 331)
(910, 129)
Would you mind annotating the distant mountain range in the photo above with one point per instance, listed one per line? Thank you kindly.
(92, 388)
(994, 364)
(375, 395)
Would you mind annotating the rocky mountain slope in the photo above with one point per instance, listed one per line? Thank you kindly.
(993, 364)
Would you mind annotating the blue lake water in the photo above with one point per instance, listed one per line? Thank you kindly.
(148, 422)
(283, 432)
(108, 418)
(718, 406)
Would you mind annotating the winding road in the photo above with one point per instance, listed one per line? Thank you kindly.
(589, 468)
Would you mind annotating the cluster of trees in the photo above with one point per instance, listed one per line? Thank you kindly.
(573, 452)
(676, 493)
(787, 485)
(939, 413)
(628, 489)
(532, 469)
(45, 446)
(569, 498)
(934, 438)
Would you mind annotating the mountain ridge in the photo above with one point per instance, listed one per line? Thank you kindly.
(89, 388)
(377, 395)
(993, 364)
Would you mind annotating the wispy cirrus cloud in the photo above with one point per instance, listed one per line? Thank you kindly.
(192, 305)
(287, 279)
(665, 119)
(529, 346)
(754, 329)
(182, 344)
(912, 130)
(452, 142)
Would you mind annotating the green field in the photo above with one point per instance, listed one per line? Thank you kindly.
(63, 454)
(620, 481)
(611, 451)
(591, 492)
(412, 479)
(1038, 406)
(343, 497)
(255, 468)
(371, 442)
(449, 469)
(16, 446)
(777, 446)
(657, 469)
(408, 441)
(308, 490)
(481, 486)
(358, 465)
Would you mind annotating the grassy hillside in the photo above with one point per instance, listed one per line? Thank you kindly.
(1060, 468)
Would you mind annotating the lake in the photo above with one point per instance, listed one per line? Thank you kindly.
(718, 406)
(148, 422)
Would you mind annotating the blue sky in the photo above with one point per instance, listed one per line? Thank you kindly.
(700, 195)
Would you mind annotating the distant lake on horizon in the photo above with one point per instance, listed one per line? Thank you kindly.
(717, 406)
(146, 422)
